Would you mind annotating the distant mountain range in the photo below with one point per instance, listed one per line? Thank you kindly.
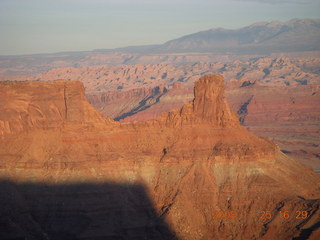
(297, 37)
(259, 38)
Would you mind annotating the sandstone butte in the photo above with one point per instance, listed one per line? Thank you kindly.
(69, 173)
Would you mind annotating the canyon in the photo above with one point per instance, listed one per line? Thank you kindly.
(255, 88)
(67, 172)
(273, 97)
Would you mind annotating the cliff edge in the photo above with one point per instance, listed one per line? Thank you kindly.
(206, 176)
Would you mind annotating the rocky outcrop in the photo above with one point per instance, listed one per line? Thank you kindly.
(45, 105)
(209, 103)
(208, 107)
(206, 176)
(289, 114)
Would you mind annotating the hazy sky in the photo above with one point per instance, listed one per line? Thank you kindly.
(44, 26)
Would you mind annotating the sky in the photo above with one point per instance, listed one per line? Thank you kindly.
(47, 26)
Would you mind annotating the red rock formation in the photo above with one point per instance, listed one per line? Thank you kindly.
(289, 115)
(209, 102)
(281, 105)
(142, 103)
(195, 163)
(27, 105)
(123, 104)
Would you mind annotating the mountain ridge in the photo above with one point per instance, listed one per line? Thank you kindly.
(261, 38)
(165, 47)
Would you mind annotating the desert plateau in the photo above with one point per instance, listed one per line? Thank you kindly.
(183, 121)
(254, 88)
(187, 164)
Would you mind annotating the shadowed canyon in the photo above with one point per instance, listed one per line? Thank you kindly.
(191, 173)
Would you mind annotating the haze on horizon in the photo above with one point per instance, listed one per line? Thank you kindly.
(45, 26)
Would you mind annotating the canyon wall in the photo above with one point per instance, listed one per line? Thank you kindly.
(168, 178)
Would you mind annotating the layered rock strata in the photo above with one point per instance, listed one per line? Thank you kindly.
(193, 173)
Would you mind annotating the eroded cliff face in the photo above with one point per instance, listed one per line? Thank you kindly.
(50, 105)
(287, 115)
(192, 163)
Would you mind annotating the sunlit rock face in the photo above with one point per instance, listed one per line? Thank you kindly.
(193, 173)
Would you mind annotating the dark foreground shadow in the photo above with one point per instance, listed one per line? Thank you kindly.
(106, 211)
